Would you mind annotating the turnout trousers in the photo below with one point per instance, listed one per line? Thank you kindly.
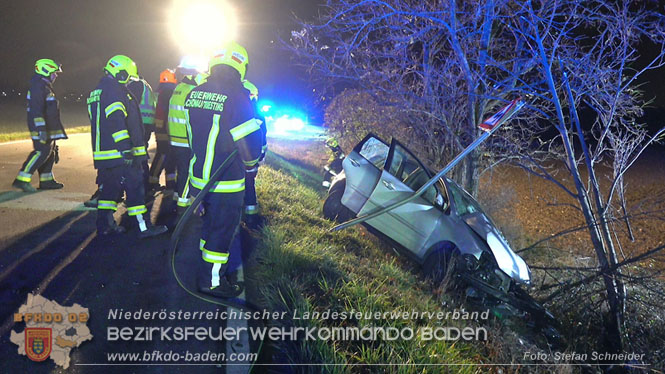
(113, 181)
(163, 161)
(251, 204)
(41, 159)
(220, 226)
(181, 157)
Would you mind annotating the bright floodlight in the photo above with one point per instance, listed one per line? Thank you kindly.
(200, 27)
(287, 123)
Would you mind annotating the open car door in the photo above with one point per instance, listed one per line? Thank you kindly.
(362, 168)
(411, 224)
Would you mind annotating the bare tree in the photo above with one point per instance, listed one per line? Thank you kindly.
(428, 60)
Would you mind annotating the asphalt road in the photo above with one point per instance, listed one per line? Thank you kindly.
(48, 246)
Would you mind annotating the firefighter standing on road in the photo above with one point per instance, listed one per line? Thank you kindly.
(119, 148)
(189, 77)
(163, 159)
(141, 90)
(251, 203)
(44, 126)
(221, 120)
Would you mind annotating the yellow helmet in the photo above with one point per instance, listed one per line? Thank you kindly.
(46, 67)
(232, 54)
(253, 91)
(122, 68)
(332, 142)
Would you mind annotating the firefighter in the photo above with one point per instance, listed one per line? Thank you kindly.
(142, 90)
(221, 120)
(251, 203)
(189, 77)
(163, 159)
(119, 148)
(45, 128)
(334, 165)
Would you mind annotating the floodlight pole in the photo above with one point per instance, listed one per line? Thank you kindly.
(518, 105)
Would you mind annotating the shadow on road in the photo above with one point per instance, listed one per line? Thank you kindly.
(67, 263)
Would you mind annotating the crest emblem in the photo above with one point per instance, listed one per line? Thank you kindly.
(38, 343)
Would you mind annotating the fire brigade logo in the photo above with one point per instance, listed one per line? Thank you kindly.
(38, 343)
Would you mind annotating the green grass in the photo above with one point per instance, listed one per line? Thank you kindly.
(301, 266)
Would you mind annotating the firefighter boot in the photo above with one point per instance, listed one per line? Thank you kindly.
(147, 229)
(106, 224)
(23, 186)
(221, 287)
(50, 185)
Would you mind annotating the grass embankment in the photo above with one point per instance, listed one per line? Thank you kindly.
(302, 267)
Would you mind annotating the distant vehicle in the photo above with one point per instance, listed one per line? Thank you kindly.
(443, 224)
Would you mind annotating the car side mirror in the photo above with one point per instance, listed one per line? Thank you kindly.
(441, 203)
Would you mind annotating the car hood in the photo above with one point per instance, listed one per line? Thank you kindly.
(509, 262)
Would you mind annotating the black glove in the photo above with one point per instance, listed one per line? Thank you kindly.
(43, 136)
(128, 157)
(56, 154)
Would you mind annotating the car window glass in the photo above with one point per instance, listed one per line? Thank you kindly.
(375, 151)
(409, 170)
(464, 204)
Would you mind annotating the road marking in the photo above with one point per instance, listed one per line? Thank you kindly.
(240, 346)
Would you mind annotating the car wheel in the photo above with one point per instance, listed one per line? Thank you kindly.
(440, 262)
(333, 208)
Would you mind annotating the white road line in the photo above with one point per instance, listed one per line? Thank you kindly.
(240, 346)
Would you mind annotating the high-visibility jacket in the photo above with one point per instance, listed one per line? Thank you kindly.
(115, 123)
(43, 110)
(165, 90)
(148, 100)
(221, 120)
(177, 116)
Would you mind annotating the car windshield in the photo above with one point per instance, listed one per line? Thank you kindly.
(464, 203)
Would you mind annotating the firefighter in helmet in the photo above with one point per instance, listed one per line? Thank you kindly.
(221, 121)
(44, 126)
(251, 203)
(189, 74)
(163, 160)
(118, 147)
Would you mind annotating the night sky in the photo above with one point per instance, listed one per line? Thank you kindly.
(84, 34)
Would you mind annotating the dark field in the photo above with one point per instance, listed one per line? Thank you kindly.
(13, 121)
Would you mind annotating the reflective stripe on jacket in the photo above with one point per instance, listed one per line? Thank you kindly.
(177, 119)
(114, 120)
(43, 110)
(220, 120)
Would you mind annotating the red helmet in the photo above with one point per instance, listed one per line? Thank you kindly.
(167, 76)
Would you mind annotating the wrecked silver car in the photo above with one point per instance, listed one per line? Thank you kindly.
(442, 222)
